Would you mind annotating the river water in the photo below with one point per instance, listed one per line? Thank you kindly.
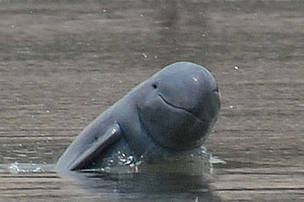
(62, 63)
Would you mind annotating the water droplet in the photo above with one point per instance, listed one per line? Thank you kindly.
(107, 169)
(216, 160)
(129, 160)
(38, 169)
(14, 168)
(144, 55)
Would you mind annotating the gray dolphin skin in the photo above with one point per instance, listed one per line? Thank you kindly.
(171, 112)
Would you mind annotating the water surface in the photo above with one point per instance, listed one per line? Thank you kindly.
(64, 62)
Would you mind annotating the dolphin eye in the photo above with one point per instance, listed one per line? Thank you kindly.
(154, 85)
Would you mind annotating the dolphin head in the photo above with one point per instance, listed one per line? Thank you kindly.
(181, 106)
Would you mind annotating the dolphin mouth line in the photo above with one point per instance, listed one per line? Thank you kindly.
(182, 108)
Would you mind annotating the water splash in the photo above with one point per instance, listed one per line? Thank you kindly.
(198, 161)
(119, 162)
(19, 168)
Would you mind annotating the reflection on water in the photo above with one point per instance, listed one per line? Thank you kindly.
(148, 186)
(180, 178)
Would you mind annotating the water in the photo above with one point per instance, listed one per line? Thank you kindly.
(185, 177)
(29, 168)
(64, 62)
(197, 161)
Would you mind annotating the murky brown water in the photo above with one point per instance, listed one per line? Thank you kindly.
(64, 62)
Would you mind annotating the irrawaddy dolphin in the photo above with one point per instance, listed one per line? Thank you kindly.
(170, 112)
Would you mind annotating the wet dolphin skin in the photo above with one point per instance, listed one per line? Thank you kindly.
(170, 112)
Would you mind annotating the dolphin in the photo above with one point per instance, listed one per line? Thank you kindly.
(171, 112)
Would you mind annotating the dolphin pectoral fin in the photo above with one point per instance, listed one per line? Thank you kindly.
(112, 135)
